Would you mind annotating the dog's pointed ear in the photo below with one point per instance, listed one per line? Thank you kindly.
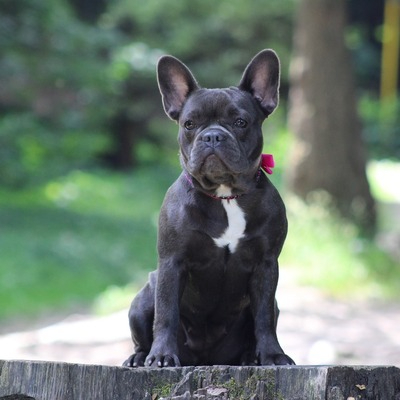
(261, 79)
(175, 82)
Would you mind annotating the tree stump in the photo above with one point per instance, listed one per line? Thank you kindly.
(61, 381)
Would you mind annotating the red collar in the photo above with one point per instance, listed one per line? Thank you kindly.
(267, 163)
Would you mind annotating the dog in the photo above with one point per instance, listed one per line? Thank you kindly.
(222, 226)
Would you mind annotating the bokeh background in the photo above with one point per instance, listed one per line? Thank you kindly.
(86, 152)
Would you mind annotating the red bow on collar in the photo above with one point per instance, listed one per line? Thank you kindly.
(267, 163)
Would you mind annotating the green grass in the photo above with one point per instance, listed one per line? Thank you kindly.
(63, 244)
(325, 251)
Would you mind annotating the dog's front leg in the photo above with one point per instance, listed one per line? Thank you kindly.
(164, 350)
(263, 288)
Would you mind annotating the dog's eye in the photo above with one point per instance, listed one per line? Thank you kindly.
(240, 123)
(189, 125)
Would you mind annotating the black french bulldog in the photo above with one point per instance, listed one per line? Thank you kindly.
(221, 229)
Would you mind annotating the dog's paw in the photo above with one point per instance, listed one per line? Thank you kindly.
(248, 359)
(275, 359)
(135, 360)
(161, 360)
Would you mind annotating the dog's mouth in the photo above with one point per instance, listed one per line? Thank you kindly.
(212, 164)
(214, 170)
(210, 169)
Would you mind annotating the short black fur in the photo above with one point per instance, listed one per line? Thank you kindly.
(212, 298)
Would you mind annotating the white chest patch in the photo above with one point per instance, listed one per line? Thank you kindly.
(236, 223)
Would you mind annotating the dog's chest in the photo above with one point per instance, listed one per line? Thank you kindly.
(236, 223)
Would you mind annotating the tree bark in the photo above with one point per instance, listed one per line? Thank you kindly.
(328, 152)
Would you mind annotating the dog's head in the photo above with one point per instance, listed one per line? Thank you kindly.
(220, 132)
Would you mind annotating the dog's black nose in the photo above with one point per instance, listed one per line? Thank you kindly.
(214, 137)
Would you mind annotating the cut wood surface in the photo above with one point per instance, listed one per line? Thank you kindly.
(37, 380)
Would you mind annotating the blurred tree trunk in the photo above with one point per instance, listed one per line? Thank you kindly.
(328, 153)
(124, 136)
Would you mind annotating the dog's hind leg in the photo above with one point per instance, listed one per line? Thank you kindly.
(141, 318)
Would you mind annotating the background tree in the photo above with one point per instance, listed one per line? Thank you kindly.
(328, 152)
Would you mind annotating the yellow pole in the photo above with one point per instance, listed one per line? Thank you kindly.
(390, 50)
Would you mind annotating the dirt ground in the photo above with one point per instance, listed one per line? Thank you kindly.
(313, 329)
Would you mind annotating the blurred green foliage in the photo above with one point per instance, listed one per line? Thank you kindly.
(31, 150)
(381, 127)
(78, 77)
(64, 242)
(215, 38)
(54, 91)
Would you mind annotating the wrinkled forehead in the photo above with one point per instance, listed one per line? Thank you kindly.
(212, 103)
